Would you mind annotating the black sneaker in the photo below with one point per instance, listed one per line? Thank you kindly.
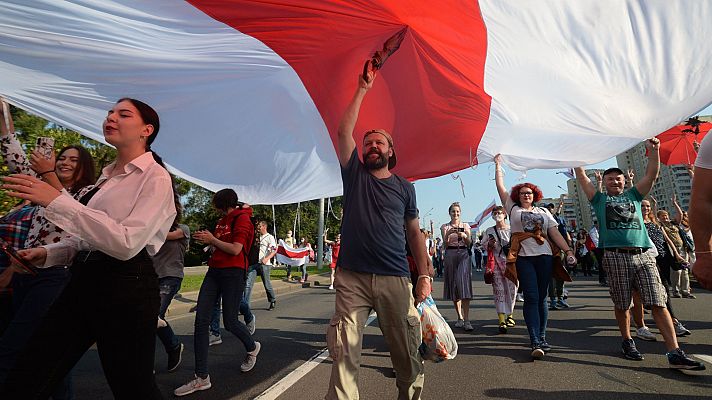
(174, 358)
(679, 360)
(272, 305)
(545, 346)
(503, 327)
(630, 351)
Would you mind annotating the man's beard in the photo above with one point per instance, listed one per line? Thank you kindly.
(378, 163)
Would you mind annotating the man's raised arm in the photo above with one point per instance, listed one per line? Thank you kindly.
(651, 172)
(585, 183)
(345, 135)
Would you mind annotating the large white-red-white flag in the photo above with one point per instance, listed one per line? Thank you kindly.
(250, 93)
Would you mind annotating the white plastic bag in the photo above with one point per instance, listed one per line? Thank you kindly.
(439, 342)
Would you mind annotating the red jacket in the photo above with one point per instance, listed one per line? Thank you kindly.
(235, 227)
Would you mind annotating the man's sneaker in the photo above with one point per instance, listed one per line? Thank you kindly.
(537, 352)
(251, 358)
(679, 360)
(520, 297)
(174, 357)
(552, 305)
(643, 333)
(689, 296)
(562, 303)
(214, 339)
(676, 294)
(630, 351)
(459, 324)
(546, 347)
(680, 329)
(331, 287)
(272, 305)
(468, 326)
(193, 386)
(510, 321)
(251, 325)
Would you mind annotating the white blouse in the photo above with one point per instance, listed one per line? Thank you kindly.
(132, 210)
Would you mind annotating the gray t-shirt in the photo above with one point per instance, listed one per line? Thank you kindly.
(170, 259)
(372, 228)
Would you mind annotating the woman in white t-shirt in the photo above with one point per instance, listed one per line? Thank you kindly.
(458, 274)
(534, 260)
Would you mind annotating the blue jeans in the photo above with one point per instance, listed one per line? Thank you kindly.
(228, 284)
(32, 298)
(167, 288)
(534, 275)
(264, 271)
(215, 319)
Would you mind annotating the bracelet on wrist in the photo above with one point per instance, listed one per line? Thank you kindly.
(423, 276)
(46, 172)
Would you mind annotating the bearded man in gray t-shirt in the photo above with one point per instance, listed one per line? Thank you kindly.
(372, 270)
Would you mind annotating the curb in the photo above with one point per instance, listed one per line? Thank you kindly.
(183, 302)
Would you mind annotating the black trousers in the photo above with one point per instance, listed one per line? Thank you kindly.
(109, 302)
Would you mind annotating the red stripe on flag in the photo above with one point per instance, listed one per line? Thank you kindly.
(292, 254)
(430, 93)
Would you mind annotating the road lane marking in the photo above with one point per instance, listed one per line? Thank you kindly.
(293, 377)
(703, 357)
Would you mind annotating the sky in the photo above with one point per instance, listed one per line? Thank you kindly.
(435, 195)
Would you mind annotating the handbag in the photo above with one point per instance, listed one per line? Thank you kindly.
(489, 268)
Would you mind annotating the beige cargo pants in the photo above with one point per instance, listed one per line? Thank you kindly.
(391, 297)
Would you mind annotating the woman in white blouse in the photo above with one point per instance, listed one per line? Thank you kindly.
(112, 298)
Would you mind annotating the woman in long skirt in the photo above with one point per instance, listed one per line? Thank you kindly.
(458, 274)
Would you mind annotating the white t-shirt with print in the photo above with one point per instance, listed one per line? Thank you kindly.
(526, 221)
(704, 155)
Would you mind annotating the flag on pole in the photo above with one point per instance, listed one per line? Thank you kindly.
(291, 256)
(483, 215)
(569, 173)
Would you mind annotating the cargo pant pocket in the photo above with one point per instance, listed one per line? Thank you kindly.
(415, 336)
(334, 337)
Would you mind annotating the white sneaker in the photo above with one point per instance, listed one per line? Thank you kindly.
(459, 324)
(680, 329)
(251, 325)
(644, 333)
(468, 326)
(251, 358)
(520, 297)
(193, 386)
(331, 287)
(214, 339)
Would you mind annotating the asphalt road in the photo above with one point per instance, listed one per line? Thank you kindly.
(585, 364)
